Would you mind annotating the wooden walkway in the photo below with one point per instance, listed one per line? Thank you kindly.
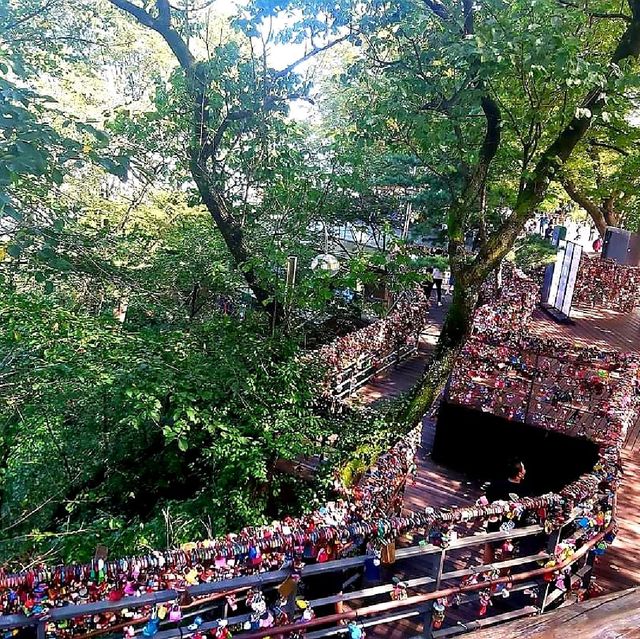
(433, 485)
(405, 376)
(615, 616)
(619, 568)
(606, 329)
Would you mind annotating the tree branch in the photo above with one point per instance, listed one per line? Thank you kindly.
(164, 13)
(611, 147)
(467, 6)
(310, 54)
(592, 14)
(438, 8)
(580, 198)
(29, 16)
(492, 134)
(554, 157)
(161, 25)
(475, 185)
(137, 12)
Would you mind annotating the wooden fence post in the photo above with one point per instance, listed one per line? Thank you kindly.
(436, 572)
(554, 539)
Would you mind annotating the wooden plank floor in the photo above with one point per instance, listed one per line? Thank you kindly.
(405, 376)
(616, 616)
(607, 329)
(619, 568)
(433, 485)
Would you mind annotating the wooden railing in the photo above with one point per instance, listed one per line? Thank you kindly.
(368, 528)
(438, 581)
(347, 381)
(351, 361)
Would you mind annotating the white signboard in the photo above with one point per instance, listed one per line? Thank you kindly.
(564, 277)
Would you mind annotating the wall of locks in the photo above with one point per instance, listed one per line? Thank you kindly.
(607, 284)
(367, 518)
(405, 321)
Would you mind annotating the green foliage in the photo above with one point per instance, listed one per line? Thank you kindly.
(533, 253)
(103, 423)
(167, 423)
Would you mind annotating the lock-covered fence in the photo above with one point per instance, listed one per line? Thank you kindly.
(423, 582)
(349, 362)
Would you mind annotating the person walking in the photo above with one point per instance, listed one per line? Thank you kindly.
(544, 222)
(437, 280)
(427, 285)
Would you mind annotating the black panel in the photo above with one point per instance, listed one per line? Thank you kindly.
(480, 444)
(621, 246)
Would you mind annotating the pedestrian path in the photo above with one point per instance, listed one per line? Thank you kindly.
(434, 485)
(404, 376)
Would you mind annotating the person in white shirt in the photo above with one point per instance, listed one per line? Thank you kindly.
(437, 280)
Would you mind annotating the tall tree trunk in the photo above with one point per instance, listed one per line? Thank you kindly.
(456, 327)
(204, 142)
(469, 278)
(580, 198)
(457, 323)
(608, 210)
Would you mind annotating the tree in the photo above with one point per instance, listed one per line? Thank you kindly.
(224, 114)
(493, 99)
(603, 178)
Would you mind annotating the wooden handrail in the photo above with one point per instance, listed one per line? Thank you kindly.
(222, 588)
(419, 600)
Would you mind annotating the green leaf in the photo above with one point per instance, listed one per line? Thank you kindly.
(183, 444)
(118, 167)
(57, 176)
(11, 212)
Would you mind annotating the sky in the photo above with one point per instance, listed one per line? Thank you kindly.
(280, 55)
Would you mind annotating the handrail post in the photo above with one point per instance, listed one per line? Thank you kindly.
(436, 572)
(552, 542)
(427, 622)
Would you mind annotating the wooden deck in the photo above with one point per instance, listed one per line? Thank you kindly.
(433, 485)
(405, 376)
(591, 327)
(616, 616)
(619, 568)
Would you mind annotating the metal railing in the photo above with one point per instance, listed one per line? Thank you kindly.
(358, 374)
(437, 581)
